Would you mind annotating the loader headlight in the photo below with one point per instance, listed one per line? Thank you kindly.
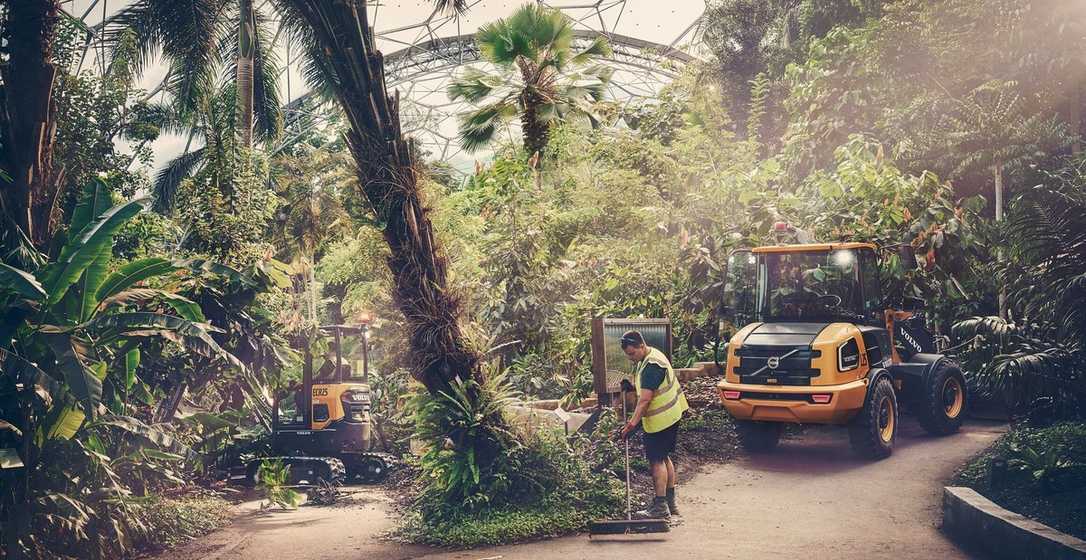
(848, 356)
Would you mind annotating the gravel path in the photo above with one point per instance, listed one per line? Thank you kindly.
(810, 499)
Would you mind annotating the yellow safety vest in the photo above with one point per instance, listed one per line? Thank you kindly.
(669, 402)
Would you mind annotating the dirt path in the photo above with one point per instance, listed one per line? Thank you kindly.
(812, 498)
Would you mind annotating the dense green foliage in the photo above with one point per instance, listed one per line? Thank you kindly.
(1044, 476)
(489, 482)
(906, 123)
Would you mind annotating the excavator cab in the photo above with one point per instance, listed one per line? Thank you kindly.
(321, 427)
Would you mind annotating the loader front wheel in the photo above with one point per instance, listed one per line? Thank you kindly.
(873, 431)
(759, 437)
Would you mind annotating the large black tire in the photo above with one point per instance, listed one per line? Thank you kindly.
(944, 401)
(874, 429)
(758, 437)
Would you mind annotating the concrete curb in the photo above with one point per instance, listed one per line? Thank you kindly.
(979, 524)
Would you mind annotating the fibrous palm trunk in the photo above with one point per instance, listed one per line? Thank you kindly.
(389, 182)
(29, 119)
(536, 133)
(245, 63)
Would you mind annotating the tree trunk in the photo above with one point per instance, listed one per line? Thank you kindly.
(246, 56)
(389, 182)
(29, 118)
(997, 174)
(536, 133)
(311, 277)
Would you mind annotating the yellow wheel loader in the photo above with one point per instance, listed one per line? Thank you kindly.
(820, 345)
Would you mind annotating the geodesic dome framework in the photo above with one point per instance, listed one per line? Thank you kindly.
(425, 48)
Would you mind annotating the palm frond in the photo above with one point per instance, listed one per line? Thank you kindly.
(599, 47)
(168, 179)
(474, 85)
(185, 33)
(477, 128)
(317, 71)
(269, 119)
(455, 6)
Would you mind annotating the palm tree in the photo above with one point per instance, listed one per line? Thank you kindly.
(213, 47)
(311, 182)
(533, 53)
(1041, 354)
(994, 131)
(346, 61)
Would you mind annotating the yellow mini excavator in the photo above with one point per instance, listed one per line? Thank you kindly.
(321, 428)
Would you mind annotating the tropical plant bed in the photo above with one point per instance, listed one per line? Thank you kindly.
(1045, 475)
(706, 437)
(166, 522)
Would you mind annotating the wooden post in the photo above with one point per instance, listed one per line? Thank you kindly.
(599, 363)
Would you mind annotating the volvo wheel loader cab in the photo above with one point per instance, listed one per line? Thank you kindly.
(819, 345)
(321, 427)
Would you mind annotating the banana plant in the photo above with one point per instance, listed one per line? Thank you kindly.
(81, 320)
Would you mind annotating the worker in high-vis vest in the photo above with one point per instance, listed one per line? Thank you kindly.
(660, 406)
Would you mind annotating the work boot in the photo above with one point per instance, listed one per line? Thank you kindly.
(658, 510)
(671, 505)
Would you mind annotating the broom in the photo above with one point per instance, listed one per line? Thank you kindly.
(628, 526)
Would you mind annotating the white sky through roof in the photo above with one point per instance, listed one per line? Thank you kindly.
(428, 114)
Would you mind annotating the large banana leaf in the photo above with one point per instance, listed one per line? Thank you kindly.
(132, 425)
(91, 280)
(131, 362)
(82, 251)
(20, 282)
(191, 335)
(83, 383)
(184, 306)
(152, 434)
(93, 201)
(133, 272)
(66, 424)
(21, 370)
(204, 266)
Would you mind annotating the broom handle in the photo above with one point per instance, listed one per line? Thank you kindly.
(627, 441)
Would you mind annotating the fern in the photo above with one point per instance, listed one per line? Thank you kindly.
(759, 99)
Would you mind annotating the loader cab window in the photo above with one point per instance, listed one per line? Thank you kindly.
(809, 286)
(872, 286)
(740, 300)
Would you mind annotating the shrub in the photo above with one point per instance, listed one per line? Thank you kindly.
(167, 522)
(1045, 476)
(486, 484)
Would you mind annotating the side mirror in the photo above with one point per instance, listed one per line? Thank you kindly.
(909, 303)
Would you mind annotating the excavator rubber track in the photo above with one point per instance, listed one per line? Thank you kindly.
(303, 470)
(370, 467)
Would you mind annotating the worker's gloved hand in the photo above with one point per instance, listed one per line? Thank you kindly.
(625, 431)
(627, 387)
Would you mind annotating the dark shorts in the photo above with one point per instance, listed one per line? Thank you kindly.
(659, 444)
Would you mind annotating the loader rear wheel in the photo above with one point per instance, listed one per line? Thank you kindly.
(944, 400)
(874, 429)
(759, 437)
